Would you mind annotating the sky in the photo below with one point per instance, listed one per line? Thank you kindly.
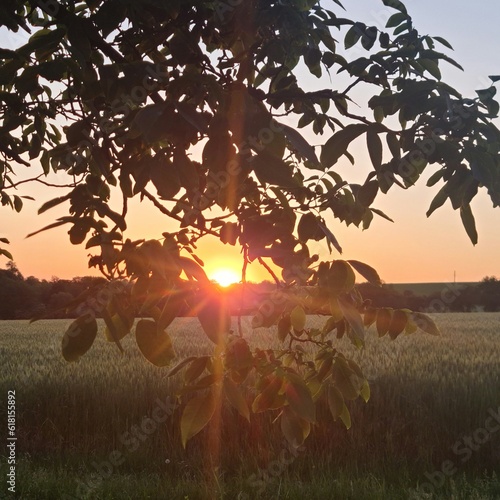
(412, 249)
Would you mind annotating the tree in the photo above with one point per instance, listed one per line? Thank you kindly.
(201, 101)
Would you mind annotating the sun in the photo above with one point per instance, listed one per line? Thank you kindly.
(225, 277)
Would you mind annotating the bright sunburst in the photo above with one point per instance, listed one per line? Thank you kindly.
(225, 277)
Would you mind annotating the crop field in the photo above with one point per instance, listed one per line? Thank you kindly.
(428, 430)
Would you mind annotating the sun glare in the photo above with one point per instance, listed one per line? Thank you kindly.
(225, 277)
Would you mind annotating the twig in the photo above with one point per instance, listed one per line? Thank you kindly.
(270, 271)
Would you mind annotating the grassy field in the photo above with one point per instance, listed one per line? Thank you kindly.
(428, 395)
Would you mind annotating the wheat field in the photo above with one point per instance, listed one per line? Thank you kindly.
(427, 394)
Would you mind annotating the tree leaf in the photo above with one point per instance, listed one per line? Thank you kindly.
(367, 272)
(381, 214)
(431, 66)
(294, 428)
(170, 311)
(298, 318)
(299, 398)
(156, 347)
(300, 144)
(193, 270)
(79, 337)
(337, 145)
(384, 318)
(442, 41)
(117, 327)
(353, 317)
(273, 170)
(214, 316)
(425, 323)
(267, 397)
(374, 148)
(345, 379)
(335, 401)
(341, 277)
(396, 4)
(398, 323)
(196, 415)
(196, 368)
(236, 398)
(6, 253)
(469, 223)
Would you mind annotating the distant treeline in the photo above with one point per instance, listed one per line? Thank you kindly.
(24, 298)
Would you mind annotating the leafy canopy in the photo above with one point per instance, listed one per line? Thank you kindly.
(198, 107)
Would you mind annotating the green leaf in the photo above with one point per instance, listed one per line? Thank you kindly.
(353, 35)
(398, 323)
(394, 145)
(439, 200)
(213, 315)
(235, 397)
(345, 416)
(298, 318)
(79, 337)
(117, 327)
(434, 178)
(469, 223)
(294, 428)
(300, 144)
(366, 271)
(284, 325)
(384, 318)
(369, 316)
(335, 401)
(170, 311)
(374, 148)
(299, 397)
(396, 4)
(6, 253)
(18, 203)
(353, 317)
(267, 398)
(60, 222)
(396, 19)
(156, 347)
(341, 277)
(193, 270)
(195, 369)
(494, 78)
(381, 214)
(273, 170)
(345, 379)
(425, 323)
(53, 203)
(196, 415)
(431, 66)
(442, 41)
(337, 145)
(365, 391)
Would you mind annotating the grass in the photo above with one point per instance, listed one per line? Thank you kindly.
(427, 394)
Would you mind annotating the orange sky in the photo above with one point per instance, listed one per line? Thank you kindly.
(413, 249)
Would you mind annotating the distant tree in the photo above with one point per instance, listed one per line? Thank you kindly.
(197, 107)
(489, 293)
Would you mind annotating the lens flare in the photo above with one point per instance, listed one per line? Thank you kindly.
(225, 277)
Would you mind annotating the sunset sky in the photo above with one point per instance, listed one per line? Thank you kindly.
(413, 249)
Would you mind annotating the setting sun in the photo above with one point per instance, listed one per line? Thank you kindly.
(225, 277)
